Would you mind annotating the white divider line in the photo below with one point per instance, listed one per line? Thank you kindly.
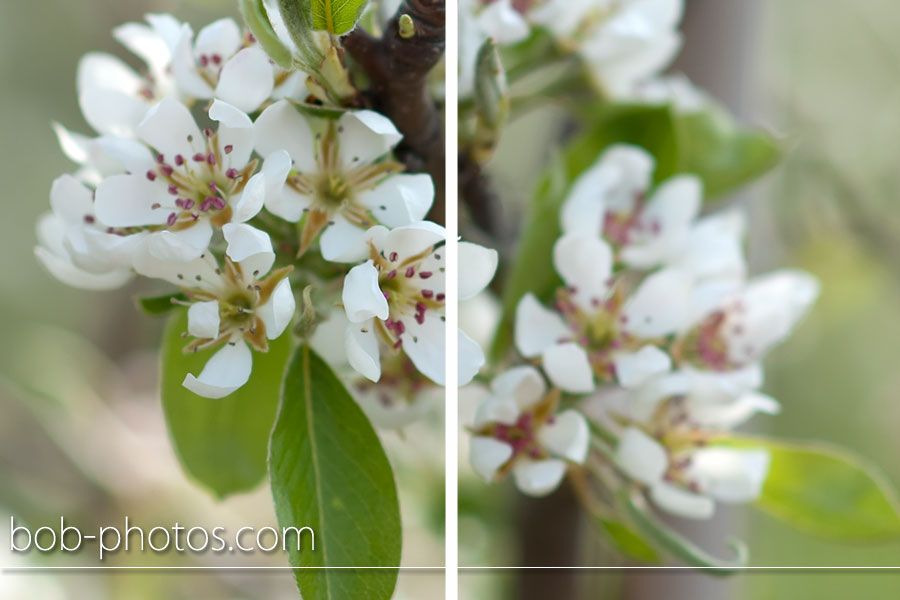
(451, 414)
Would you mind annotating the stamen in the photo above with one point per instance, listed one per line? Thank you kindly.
(151, 175)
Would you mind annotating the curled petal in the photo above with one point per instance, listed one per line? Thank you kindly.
(225, 372)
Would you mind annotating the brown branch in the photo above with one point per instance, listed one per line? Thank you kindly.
(398, 69)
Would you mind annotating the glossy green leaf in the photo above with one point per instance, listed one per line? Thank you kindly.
(221, 443)
(329, 472)
(254, 12)
(627, 541)
(723, 154)
(337, 16)
(160, 305)
(828, 492)
(651, 127)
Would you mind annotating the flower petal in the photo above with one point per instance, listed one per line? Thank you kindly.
(343, 242)
(203, 319)
(634, 368)
(246, 79)
(400, 199)
(567, 366)
(567, 436)
(523, 383)
(538, 477)
(424, 344)
(681, 502)
(470, 359)
(641, 457)
(365, 135)
(226, 371)
(585, 264)
(251, 200)
(362, 296)
(487, 455)
(537, 328)
(282, 127)
(660, 306)
(129, 200)
(170, 128)
(477, 268)
(235, 132)
(363, 354)
(245, 241)
(278, 312)
(729, 474)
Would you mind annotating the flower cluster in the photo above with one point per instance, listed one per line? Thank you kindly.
(206, 171)
(656, 331)
(623, 44)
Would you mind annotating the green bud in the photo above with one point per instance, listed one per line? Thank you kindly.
(406, 26)
(491, 101)
(306, 324)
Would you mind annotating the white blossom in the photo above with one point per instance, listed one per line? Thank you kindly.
(336, 181)
(76, 247)
(396, 299)
(235, 305)
(518, 429)
(182, 182)
(687, 483)
(598, 329)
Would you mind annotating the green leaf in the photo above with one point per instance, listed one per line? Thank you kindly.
(828, 492)
(651, 127)
(627, 541)
(337, 17)
(221, 443)
(723, 154)
(676, 544)
(257, 19)
(160, 305)
(329, 472)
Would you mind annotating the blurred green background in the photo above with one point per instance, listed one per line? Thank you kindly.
(825, 77)
(81, 429)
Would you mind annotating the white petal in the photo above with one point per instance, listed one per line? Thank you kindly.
(567, 436)
(585, 263)
(400, 199)
(278, 312)
(364, 136)
(470, 359)
(681, 502)
(567, 366)
(537, 328)
(245, 241)
(362, 349)
(128, 201)
(134, 156)
(222, 37)
(501, 21)
(731, 412)
(281, 200)
(424, 344)
(538, 477)
(496, 409)
(170, 128)
(524, 384)
(487, 455)
(226, 371)
(634, 368)
(235, 130)
(477, 267)
(145, 43)
(111, 112)
(661, 305)
(412, 239)
(251, 200)
(203, 319)
(729, 474)
(69, 274)
(282, 127)
(584, 208)
(362, 296)
(246, 79)
(101, 71)
(71, 200)
(641, 457)
(74, 145)
(184, 67)
(343, 242)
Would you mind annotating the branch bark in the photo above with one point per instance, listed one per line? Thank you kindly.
(398, 69)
